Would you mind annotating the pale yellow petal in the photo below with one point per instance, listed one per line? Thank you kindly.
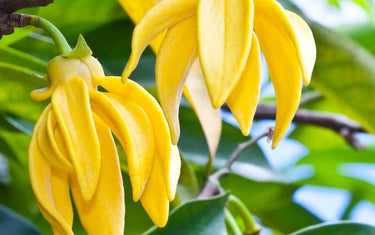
(163, 15)
(48, 146)
(136, 10)
(224, 37)
(305, 45)
(41, 178)
(105, 212)
(136, 93)
(154, 198)
(282, 61)
(177, 53)
(132, 127)
(210, 118)
(174, 171)
(244, 98)
(71, 105)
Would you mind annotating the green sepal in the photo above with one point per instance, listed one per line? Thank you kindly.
(80, 51)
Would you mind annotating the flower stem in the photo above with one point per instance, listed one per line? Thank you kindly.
(231, 223)
(251, 227)
(59, 39)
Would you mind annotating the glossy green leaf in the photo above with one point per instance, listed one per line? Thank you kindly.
(341, 228)
(205, 217)
(12, 223)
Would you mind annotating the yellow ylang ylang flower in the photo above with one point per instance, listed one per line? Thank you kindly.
(225, 37)
(72, 147)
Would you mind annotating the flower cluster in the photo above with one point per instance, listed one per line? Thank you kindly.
(225, 39)
(72, 147)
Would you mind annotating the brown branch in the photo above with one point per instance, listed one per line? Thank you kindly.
(10, 20)
(10, 6)
(341, 124)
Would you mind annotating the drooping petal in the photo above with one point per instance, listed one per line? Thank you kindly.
(154, 198)
(305, 44)
(136, 10)
(196, 93)
(174, 171)
(177, 53)
(105, 212)
(136, 93)
(163, 15)
(132, 127)
(244, 98)
(282, 61)
(71, 105)
(224, 37)
(45, 182)
(48, 146)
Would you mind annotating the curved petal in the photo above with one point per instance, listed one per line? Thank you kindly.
(282, 61)
(48, 146)
(196, 93)
(305, 44)
(177, 53)
(71, 105)
(136, 10)
(224, 37)
(105, 212)
(174, 171)
(136, 93)
(158, 19)
(50, 186)
(154, 198)
(244, 98)
(132, 127)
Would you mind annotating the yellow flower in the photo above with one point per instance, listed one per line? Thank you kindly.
(72, 145)
(224, 37)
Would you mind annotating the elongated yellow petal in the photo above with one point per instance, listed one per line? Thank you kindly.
(136, 93)
(174, 171)
(158, 19)
(154, 198)
(42, 177)
(105, 212)
(61, 194)
(177, 53)
(224, 36)
(196, 93)
(71, 105)
(132, 127)
(244, 98)
(136, 10)
(282, 61)
(48, 146)
(305, 44)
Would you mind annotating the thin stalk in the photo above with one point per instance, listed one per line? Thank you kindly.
(59, 39)
(231, 223)
(251, 227)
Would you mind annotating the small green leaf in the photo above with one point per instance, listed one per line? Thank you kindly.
(187, 185)
(199, 217)
(12, 223)
(341, 228)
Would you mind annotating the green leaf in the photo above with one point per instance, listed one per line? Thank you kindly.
(16, 83)
(200, 217)
(271, 202)
(12, 223)
(345, 74)
(341, 228)
(19, 58)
